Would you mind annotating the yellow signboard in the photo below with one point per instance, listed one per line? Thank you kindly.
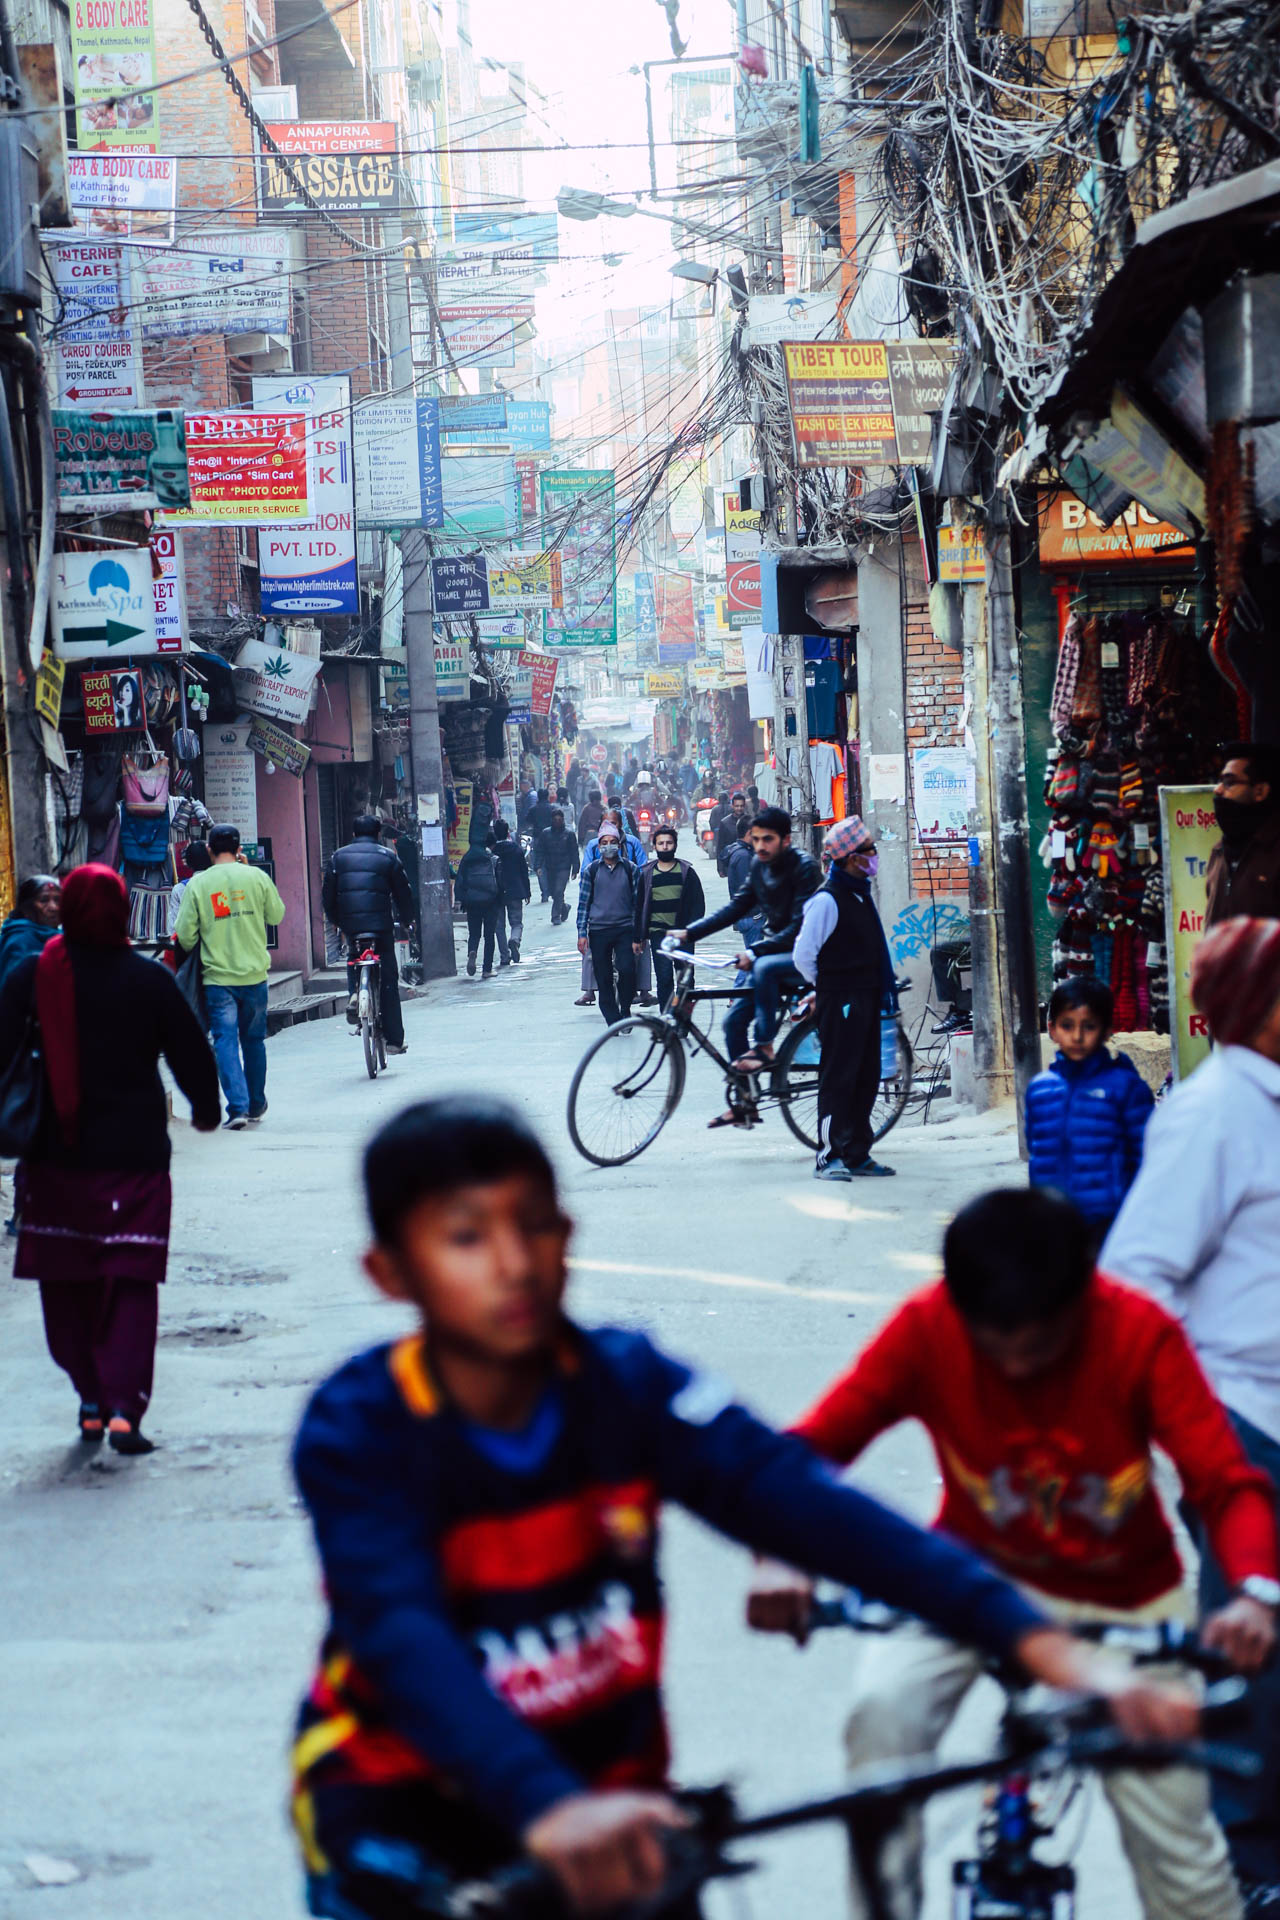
(1189, 832)
(49, 684)
(664, 683)
(962, 558)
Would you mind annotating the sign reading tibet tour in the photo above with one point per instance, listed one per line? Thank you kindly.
(841, 403)
(98, 360)
(274, 681)
(113, 44)
(311, 568)
(127, 459)
(102, 603)
(347, 166)
(247, 469)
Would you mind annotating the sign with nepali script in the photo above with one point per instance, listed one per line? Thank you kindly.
(347, 166)
(841, 403)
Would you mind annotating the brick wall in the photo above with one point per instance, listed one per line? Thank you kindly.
(935, 702)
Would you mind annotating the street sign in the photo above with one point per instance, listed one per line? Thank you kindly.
(919, 375)
(96, 351)
(103, 603)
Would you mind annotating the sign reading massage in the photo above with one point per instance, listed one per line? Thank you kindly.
(347, 166)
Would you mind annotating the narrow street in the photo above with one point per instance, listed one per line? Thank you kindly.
(162, 1614)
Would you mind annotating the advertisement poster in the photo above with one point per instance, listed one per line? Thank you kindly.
(49, 683)
(742, 533)
(481, 500)
(113, 701)
(663, 683)
(527, 482)
(247, 469)
(743, 596)
(96, 350)
(123, 196)
(347, 166)
(396, 444)
(311, 568)
(525, 582)
(282, 749)
(677, 626)
(113, 46)
(757, 660)
(482, 333)
(460, 831)
(227, 282)
(944, 790)
(1189, 832)
(169, 591)
(102, 602)
(962, 556)
(231, 778)
(274, 681)
(841, 403)
(646, 621)
(126, 459)
(578, 519)
(464, 415)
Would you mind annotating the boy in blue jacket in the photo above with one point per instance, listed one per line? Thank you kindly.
(1087, 1113)
(485, 1494)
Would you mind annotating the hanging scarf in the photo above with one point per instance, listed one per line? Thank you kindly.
(95, 913)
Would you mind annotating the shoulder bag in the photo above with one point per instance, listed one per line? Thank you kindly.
(23, 1092)
(146, 781)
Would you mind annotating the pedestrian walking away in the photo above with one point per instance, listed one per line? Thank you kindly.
(590, 817)
(670, 896)
(1199, 1230)
(225, 912)
(1244, 868)
(478, 889)
(35, 919)
(365, 891)
(842, 952)
(93, 1191)
(199, 860)
(514, 869)
(607, 897)
(558, 859)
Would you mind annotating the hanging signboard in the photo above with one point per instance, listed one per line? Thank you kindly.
(113, 45)
(578, 518)
(460, 585)
(127, 460)
(664, 683)
(247, 469)
(1071, 535)
(453, 667)
(169, 590)
(841, 403)
(102, 603)
(505, 631)
(962, 556)
(1189, 832)
(525, 582)
(113, 701)
(775, 317)
(123, 196)
(743, 596)
(919, 375)
(482, 333)
(274, 680)
(50, 681)
(224, 282)
(96, 351)
(527, 482)
(646, 621)
(397, 459)
(526, 427)
(283, 750)
(311, 567)
(742, 533)
(347, 166)
(944, 792)
(677, 627)
(231, 778)
(481, 501)
(462, 415)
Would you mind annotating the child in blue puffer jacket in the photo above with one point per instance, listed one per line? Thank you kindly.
(1087, 1113)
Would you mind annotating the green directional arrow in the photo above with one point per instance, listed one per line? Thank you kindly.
(114, 633)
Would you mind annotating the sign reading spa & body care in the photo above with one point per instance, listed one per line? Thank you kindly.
(311, 568)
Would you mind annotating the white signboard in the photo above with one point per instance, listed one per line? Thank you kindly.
(103, 604)
(216, 282)
(944, 783)
(97, 357)
(231, 778)
(275, 681)
(453, 668)
(169, 590)
(312, 568)
(774, 317)
(388, 463)
(120, 195)
(757, 653)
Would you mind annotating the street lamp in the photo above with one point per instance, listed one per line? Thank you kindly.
(581, 203)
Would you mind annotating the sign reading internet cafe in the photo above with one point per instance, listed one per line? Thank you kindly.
(347, 166)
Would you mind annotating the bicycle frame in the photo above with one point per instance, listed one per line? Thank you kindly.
(683, 999)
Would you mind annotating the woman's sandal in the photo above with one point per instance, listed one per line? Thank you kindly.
(724, 1120)
(91, 1427)
(125, 1436)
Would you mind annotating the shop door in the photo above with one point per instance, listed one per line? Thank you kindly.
(330, 841)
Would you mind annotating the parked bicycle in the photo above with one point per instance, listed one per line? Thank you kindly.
(369, 1001)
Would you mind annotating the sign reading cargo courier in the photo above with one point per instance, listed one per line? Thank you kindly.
(841, 403)
(347, 166)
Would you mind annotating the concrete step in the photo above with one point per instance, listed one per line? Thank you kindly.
(284, 984)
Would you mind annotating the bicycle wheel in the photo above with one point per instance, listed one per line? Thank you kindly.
(893, 1094)
(368, 1023)
(795, 1082)
(627, 1085)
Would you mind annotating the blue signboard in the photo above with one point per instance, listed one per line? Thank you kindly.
(429, 463)
(461, 585)
(527, 428)
(646, 622)
(460, 413)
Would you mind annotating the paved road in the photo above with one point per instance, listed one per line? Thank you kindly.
(159, 1617)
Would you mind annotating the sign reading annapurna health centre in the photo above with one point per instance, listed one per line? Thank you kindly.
(311, 568)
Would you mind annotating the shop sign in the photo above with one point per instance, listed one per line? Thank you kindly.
(1189, 832)
(526, 427)
(113, 45)
(525, 582)
(247, 469)
(453, 667)
(542, 668)
(646, 621)
(102, 602)
(275, 681)
(281, 749)
(311, 568)
(1072, 535)
(347, 166)
(841, 403)
(113, 701)
(481, 501)
(169, 590)
(709, 676)
(757, 651)
(735, 661)
(743, 597)
(397, 456)
(460, 586)
(460, 831)
(231, 778)
(96, 351)
(919, 375)
(50, 681)
(527, 481)
(506, 631)
(123, 196)
(962, 556)
(464, 414)
(677, 627)
(578, 518)
(664, 683)
(944, 791)
(775, 317)
(226, 282)
(1130, 449)
(742, 533)
(128, 460)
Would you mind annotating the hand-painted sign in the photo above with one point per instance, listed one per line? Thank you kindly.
(283, 750)
(841, 403)
(460, 585)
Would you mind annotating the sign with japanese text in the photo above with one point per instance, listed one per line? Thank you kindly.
(113, 701)
(274, 681)
(247, 469)
(96, 350)
(127, 459)
(102, 603)
(578, 518)
(123, 196)
(225, 282)
(397, 459)
(1189, 832)
(113, 45)
(311, 567)
(841, 403)
(1071, 535)
(347, 166)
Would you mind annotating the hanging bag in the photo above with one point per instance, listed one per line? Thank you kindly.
(146, 780)
(23, 1092)
(190, 979)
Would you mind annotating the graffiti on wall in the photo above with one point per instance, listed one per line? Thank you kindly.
(923, 925)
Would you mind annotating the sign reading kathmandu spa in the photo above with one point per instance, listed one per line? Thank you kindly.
(578, 519)
(311, 568)
(247, 469)
(131, 460)
(102, 603)
(96, 351)
(347, 166)
(228, 282)
(841, 403)
(113, 44)
(274, 681)
(123, 196)
(397, 456)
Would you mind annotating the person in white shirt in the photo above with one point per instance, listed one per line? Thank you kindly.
(1200, 1230)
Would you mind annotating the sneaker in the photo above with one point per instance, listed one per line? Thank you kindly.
(235, 1122)
(872, 1170)
(646, 999)
(353, 1010)
(505, 961)
(255, 1119)
(402, 1048)
(471, 964)
(834, 1170)
(515, 955)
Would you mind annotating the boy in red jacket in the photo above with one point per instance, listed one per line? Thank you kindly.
(1044, 1387)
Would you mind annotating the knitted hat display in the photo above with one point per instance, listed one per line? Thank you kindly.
(1104, 789)
(1151, 912)
(1113, 645)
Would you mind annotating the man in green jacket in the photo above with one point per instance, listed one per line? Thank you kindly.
(226, 911)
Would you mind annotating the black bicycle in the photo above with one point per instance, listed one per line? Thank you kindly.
(368, 967)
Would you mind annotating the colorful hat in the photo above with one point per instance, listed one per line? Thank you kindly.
(847, 836)
(1235, 978)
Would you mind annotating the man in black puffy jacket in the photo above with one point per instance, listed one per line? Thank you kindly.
(515, 891)
(366, 890)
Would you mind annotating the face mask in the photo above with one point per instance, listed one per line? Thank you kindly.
(1239, 819)
(609, 850)
(871, 866)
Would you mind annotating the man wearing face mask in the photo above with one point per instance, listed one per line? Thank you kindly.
(607, 898)
(841, 950)
(1244, 868)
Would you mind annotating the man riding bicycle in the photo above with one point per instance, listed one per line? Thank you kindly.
(366, 891)
(779, 881)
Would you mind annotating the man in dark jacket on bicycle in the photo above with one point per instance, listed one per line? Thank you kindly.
(366, 890)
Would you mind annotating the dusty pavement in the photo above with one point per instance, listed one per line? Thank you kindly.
(159, 1617)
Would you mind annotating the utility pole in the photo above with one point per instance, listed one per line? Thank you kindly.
(439, 960)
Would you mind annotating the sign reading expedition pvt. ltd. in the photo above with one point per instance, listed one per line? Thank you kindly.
(311, 568)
